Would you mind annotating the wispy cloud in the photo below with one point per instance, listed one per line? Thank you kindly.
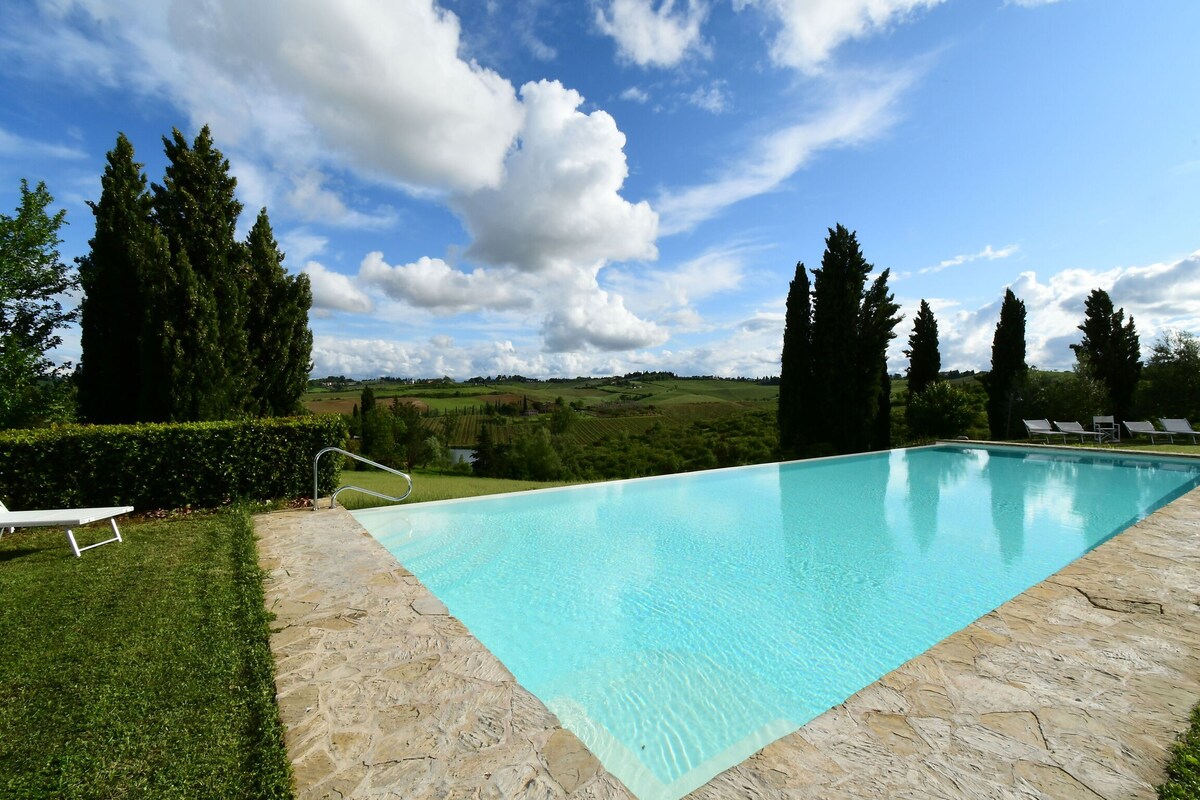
(13, 145)
(988, 253)
(712, 98)
(854, 118)
(635, 94)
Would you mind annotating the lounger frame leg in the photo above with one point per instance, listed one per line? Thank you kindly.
(79, 550)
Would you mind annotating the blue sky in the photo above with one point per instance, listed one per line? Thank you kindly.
(577, 188)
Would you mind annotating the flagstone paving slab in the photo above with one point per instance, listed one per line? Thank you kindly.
(1075, 689)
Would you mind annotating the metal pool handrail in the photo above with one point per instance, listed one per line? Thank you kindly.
(340, 489)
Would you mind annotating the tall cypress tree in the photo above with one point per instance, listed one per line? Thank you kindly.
(878, 320)
(850, 331)
(279, 342)
(109, 377)
(181, 362)
(1110, 351)
(924, 358)
(1008, 365)
(198, 211)
(881, 435)
(795, 375)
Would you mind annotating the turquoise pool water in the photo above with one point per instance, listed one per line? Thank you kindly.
(679, 624)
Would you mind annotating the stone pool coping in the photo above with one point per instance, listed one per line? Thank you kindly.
(1076, 688)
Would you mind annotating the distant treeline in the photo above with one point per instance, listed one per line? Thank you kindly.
(338, 382)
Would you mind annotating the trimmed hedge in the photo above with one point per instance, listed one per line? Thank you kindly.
(169, 465)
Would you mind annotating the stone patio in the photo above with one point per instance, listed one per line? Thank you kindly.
(1075, 689)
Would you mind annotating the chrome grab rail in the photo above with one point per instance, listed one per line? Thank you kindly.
(340, 489)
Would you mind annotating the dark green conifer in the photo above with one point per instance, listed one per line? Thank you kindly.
(196, 207)
(181, 357)
(1110, 351)
(924, 359)
(109, 377)
(279, 342)
(1008, 366)
(851, 328)
(795, 374)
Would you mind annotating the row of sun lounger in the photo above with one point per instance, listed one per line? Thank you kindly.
(1105, 430)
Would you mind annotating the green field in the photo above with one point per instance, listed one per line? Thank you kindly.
(608, 406)
(589, 391)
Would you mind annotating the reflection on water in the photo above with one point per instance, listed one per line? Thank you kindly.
(1008, 490)
(928, 478)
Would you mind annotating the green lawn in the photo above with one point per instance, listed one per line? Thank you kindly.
(142, 669)
(427, 486)
(1140, 445)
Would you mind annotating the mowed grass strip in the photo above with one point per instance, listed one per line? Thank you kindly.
(142, 669)
(427, 486)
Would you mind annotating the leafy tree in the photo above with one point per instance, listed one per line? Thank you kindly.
(795, 376)
(924, 359)
(1110, 351)
(533, 457)
(279, 342)
(379, 436)
(32, 277)
(111, 274)
(1074, 396)
(198, 211)
(439, 455)
(1008, 366)
(1170, 384)
(561, 418)
(943, 410)
(851, 327)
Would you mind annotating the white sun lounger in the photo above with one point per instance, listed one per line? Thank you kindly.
(1041, 427)
(1075, 429)
(1145, 428)
(1179, 427)
(67, 518)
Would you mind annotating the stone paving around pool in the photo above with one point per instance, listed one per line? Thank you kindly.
(1075, 689)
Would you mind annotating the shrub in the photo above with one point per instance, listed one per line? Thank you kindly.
(167, 465)
(944, 410)
(1072, 397)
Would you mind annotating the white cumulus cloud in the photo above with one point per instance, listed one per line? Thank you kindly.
(333, 291)
(432, 284)
(1158, 296)
(810, 30)
(375, 84)
(598, 320)
(653, 36)
(560, 200)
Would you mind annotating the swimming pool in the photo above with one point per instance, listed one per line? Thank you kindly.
(678, 624)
